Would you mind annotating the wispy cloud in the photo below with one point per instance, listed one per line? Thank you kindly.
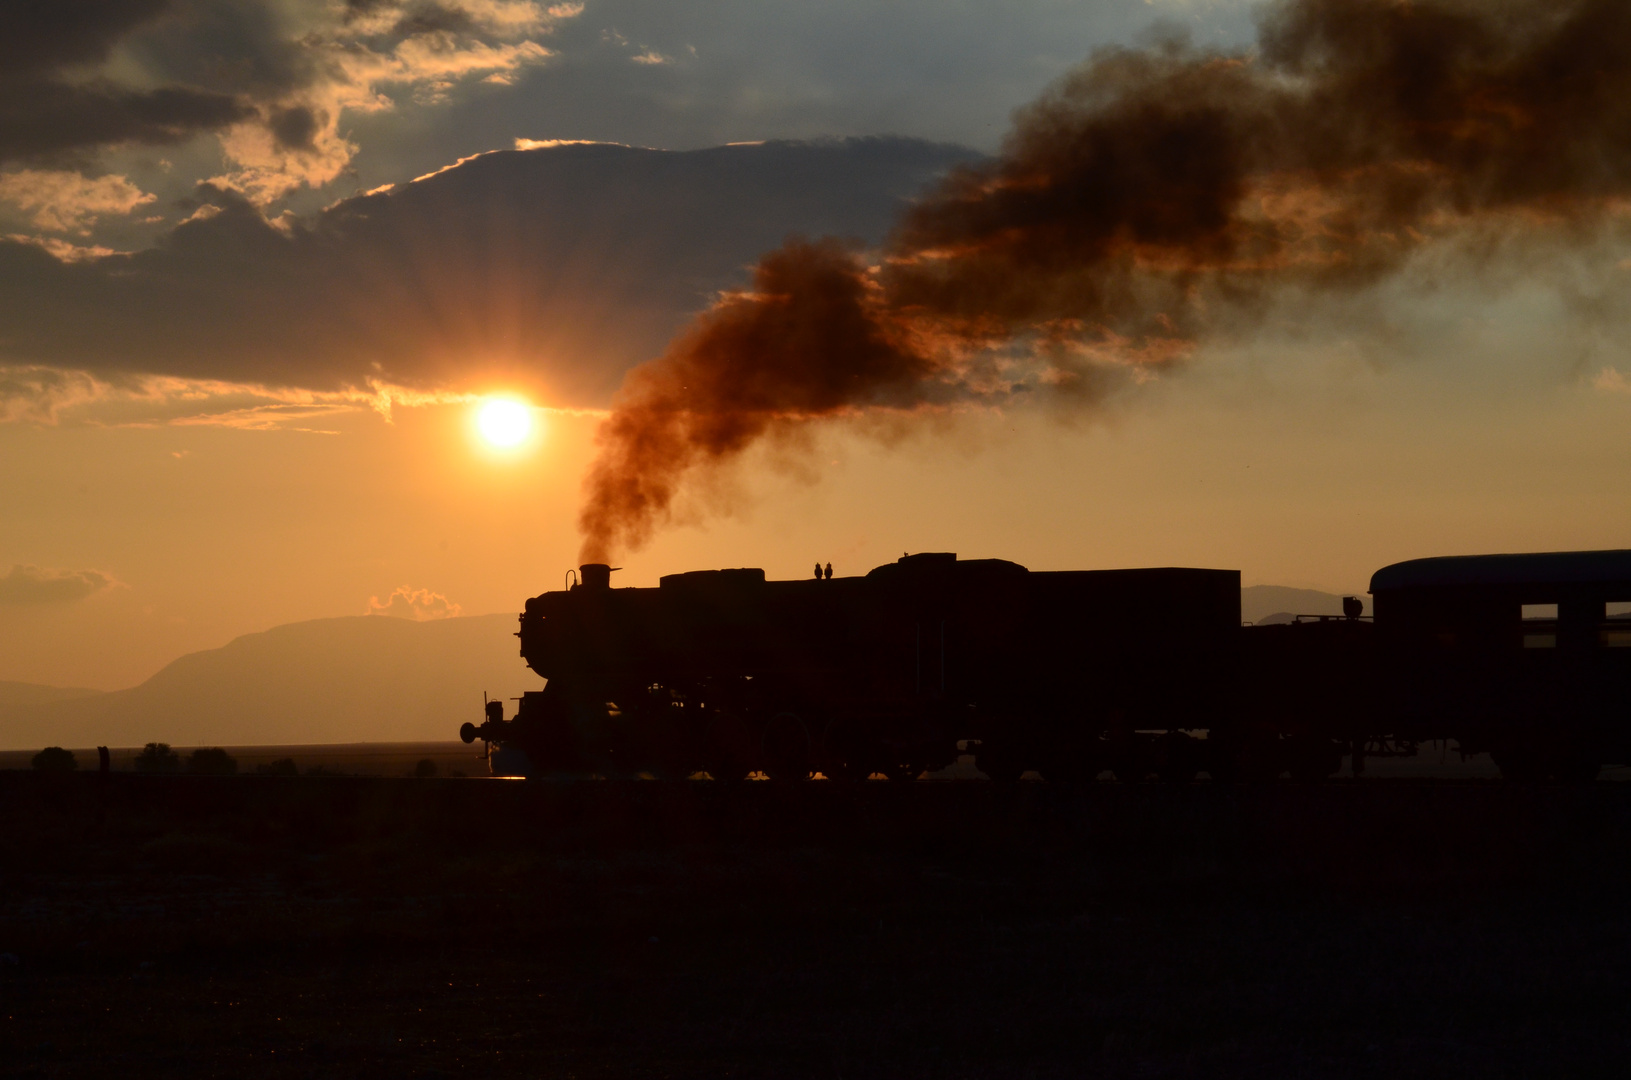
(53, 396)
(298, 140)
(420, 605)
(62, 250)
(61, 201)
(26, 584)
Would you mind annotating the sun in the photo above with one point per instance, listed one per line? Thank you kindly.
(503, 422)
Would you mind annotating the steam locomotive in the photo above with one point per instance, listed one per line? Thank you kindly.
(1145, 673)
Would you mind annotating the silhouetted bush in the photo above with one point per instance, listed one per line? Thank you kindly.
(323, 770)
(211, 761)
(280, 767)
(55, 759)
(157, 757)
(425, 769)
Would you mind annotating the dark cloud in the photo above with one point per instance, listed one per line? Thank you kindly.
(24, 584)
(557, 268)
(433, 18)
(294, 128)
(42, 118)
(37, 37)
(42, 111)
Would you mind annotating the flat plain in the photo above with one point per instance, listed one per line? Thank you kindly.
(384, 926)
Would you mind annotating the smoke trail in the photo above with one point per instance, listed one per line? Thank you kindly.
(1144, 200)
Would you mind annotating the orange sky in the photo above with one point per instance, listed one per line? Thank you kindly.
(1294, 478)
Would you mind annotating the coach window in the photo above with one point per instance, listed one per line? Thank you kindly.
(1540, 626)
(1616, 631)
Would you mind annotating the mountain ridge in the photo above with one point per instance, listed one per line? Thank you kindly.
(353, 678)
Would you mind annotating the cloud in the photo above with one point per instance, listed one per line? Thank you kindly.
(275, 78)
(66, 201)
(420, 605)
(61, 249)
(1610, 381)
(553, 269)
(47, 104)
(39, 394)
(296, 139)
(28, 585)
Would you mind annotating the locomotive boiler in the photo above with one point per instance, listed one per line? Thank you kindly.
(1144, 672)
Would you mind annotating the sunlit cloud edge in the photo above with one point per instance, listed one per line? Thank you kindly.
(53, 397)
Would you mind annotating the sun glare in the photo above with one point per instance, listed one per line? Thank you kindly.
(503, 422)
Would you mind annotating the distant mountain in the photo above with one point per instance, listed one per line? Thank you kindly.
(22, 695)
(1276, 603)
(356, 679)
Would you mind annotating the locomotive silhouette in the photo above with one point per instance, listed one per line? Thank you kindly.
(1146, 673)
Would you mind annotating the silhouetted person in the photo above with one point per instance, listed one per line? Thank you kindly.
(818, 570)
(829, 571)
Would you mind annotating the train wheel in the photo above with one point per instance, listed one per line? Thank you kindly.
(998, 766)
(1315, 760)
(1177, 758)
(1518, 767)
(730, 751)
(1243, 765)
(1521, 756)
(842, 771)
(785, 750)
(1576, 765)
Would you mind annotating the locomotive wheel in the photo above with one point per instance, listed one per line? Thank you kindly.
(842, 771)
(1575, 761)
(1522, 756)
(784, 748)
(1001, 768)
(1243, 765)
(1315, 760)
(1576, 767)
(1519, 767)
(730, 751)
(1178, 759)
(844, 753)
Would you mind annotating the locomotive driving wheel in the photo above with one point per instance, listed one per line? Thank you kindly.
(730, 751)
(1002, 766)
(785, 750)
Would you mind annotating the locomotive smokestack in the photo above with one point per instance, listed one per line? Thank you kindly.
(1148, 202)
(596, 575)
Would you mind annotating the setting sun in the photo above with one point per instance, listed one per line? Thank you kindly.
(503, 422)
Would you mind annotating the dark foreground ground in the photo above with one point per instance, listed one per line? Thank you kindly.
(249, 926)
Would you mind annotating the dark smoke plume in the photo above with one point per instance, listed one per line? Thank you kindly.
(1139, 204)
